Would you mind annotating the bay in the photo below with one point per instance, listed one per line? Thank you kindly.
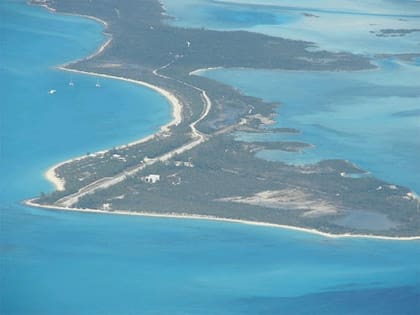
(370, 118)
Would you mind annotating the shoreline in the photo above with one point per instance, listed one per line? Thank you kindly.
(92, 55)
(59, 183)
(53, 10)
(202, 71)
(188, 216)
(50, 174)
(170, 97)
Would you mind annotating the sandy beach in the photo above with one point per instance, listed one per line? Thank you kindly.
(202, 70)
(51, 175)
(176, 104)
(32, 203)
(53, 10)
(59, 183)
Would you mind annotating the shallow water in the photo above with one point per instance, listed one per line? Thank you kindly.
(370, 118)
(72, 263)
(331, 25)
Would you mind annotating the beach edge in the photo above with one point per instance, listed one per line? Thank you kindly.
(191, 216)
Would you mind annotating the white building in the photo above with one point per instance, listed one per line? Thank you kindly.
(151, 179)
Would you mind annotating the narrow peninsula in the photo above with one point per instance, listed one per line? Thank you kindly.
(196, 166)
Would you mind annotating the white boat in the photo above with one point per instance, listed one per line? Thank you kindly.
(52, 91)
(97, 85)
(71, 83)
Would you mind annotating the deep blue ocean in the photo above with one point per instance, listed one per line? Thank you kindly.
(73, 263)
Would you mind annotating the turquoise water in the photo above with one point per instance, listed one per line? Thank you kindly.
(71, 263)
(355, 23)
(370, 118)
(40, 129)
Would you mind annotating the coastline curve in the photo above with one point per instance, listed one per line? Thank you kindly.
(31, 203)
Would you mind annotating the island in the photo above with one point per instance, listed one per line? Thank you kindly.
(195, 167)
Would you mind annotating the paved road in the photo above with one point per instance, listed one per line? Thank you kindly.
(106, 182)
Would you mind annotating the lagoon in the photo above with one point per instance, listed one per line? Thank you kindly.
(370, 118)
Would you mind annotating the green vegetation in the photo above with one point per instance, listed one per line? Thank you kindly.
(221, 176)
